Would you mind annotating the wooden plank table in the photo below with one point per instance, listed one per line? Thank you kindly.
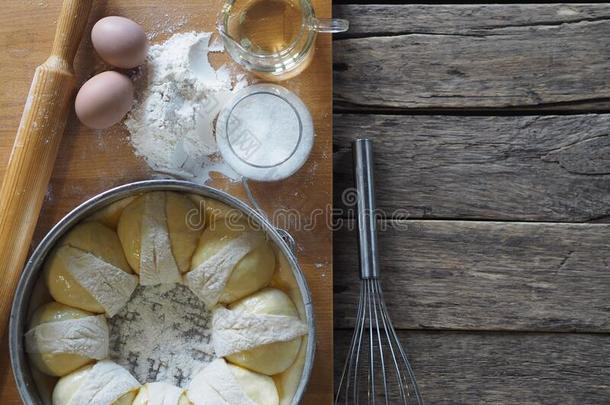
(492, 131)
(90, 162)
(491, 128)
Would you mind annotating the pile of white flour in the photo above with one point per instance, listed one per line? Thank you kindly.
(162, 334)
(179, 97)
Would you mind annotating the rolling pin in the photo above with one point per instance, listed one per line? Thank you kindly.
(35, 149)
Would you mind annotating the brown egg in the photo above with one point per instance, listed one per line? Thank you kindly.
(120, 42)
(104, 100)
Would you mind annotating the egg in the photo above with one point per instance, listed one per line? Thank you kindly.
(120, 42)
(104, 100)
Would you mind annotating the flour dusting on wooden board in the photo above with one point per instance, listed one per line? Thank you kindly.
(162, 334)
(179, 97)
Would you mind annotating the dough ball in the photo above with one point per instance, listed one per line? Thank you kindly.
(258, 387)
(288, 382)
(214, 209)
(91, 237)
(126, 399)
(43, 383)
(222, 383)
(178, 210)
(183, 236)
(284, 279)
(253, 272)
(57, 364)
(272, 358)
(162, 393)
(111, 214)
(40, 296)
(117, 383)
(66, 387)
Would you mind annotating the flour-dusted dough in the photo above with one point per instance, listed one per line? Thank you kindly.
(88, 270)
(104, 383)
(232, 261)
(160, 393)
(157, 237)
(239, 330)
(110, 286)
(224, 384)
(209, 279)
(272, 358)
(62, 339)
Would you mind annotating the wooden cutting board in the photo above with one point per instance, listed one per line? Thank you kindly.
(90, 162)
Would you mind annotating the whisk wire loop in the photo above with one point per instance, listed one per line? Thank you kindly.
(377, 370)
(403, 354)
(372, 284)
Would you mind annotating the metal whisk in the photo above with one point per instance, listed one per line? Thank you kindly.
(377, 370)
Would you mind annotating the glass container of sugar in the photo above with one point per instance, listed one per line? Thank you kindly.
(265, 132)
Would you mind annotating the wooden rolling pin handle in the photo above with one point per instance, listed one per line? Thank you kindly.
(70, 27)
(35, 149)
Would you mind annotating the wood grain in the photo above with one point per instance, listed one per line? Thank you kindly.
(470, 275)
(528, 168)
(506, 369)
(476, 56)
(90, 162)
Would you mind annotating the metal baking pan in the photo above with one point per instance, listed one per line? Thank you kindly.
(24, 376)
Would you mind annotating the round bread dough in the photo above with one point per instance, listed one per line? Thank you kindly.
(214, 209)
(179, 210)
(43, 383)
(159, 393)
(284, 279)
(272, 358)
(223, 383)
(91, 237)
(253, 272)
(258, 387)
(67, 387)
(288, 382)
(111, 214)
(57, 364)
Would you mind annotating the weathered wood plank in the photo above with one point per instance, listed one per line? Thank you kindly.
(532, 168)
(453, 56)
(506, 369)
(464, 19)
(469, 275)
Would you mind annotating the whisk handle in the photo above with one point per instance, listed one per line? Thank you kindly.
(362, 150)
